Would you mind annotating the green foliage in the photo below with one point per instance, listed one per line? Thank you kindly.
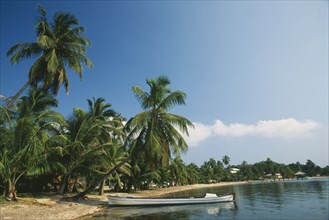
(59, 45)
(156, 128)
(179, 171)
(88, 141)
(24, 135)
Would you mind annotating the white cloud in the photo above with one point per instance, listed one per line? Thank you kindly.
(284, 128)
(198, 134)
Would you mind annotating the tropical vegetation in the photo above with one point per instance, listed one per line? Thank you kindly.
(42, 150)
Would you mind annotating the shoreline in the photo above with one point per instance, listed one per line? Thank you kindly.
(159, 192)
(52, 208)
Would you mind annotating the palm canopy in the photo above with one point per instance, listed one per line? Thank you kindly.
(102, 112)
(59, 45)
(156, 129)
(24, 136)
(86, 139)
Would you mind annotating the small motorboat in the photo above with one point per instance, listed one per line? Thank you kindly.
(133, 201)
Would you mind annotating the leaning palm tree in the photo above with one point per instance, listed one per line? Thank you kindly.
(153, 133)
(102, 112)
(59, 45)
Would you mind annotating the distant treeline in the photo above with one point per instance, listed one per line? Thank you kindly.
(268, 169)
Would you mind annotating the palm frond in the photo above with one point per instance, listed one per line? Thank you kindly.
(23, 51)
(172, 100)
(142, 97)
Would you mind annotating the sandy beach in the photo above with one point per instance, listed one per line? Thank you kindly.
(53, 208)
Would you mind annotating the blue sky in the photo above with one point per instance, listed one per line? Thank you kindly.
(255, 73)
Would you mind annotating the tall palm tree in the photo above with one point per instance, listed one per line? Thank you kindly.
(25, 133)
(59, 45)
(156, 128)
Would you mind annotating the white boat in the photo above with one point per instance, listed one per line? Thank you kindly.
(138, 212)
(133, 201)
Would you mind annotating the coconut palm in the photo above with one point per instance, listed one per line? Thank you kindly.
(93, 168)
(193, 173)
(178, 171)
(226, 160)
(24, 136)
(59, 45)
(102, 112)
(140, 175)
(156, 128)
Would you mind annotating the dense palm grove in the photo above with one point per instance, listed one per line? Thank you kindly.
(42, 150)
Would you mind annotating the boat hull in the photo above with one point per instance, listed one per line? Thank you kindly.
(131, 201)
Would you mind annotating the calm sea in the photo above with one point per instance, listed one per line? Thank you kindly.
(302, 199)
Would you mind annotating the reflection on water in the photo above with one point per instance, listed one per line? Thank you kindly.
(165, 212)
(303, 199)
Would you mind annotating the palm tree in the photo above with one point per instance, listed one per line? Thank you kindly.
(178, 171)
(211, 171)
(102, 112)
(226, 160)
(155, 128)
(99, 110)
(24, 136)
(140, 174)
(96, 167)
(193, 173)
(59, 45)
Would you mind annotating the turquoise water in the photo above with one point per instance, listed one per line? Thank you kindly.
(303, 199)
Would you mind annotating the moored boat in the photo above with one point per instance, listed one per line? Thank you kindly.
(133, 201)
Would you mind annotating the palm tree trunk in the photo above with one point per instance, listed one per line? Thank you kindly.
(12, 100)
(101, 188)
(64, 185)
(93, 186)
(10, 191)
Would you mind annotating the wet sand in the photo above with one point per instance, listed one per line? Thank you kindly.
(53, 208)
